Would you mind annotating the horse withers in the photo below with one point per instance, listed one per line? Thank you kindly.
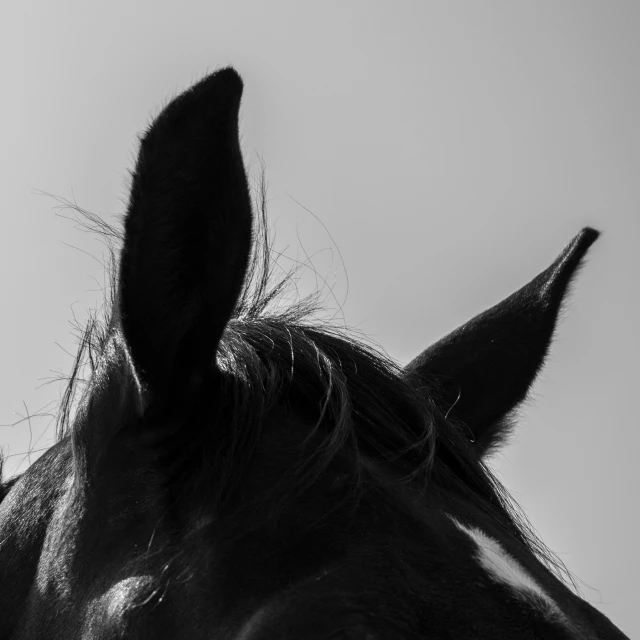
(238, 470)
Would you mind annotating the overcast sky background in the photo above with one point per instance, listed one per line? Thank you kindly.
(451, 149)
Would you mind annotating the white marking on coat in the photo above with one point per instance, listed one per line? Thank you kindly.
(505, 569)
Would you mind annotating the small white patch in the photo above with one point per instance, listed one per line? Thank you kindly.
(501, 567)
(109, 611)
(122, 595)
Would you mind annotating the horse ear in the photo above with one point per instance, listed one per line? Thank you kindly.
(485, 368)
(187, 236)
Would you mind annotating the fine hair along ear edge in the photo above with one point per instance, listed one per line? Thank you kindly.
(187, 241)
(484, 369)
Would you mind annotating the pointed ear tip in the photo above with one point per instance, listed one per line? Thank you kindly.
(226, 80)
(578, 247)
(228, 77)
(587, 236)
(222, 87)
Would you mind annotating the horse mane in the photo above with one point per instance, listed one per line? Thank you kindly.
(358, 398)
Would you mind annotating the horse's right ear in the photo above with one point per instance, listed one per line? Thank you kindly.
(484, 369)
(187, 236)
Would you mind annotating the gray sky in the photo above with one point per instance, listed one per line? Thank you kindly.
(450, 148)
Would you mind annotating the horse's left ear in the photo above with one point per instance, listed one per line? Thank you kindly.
(187, 238)
(484, 369)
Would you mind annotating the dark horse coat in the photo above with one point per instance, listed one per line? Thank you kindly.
(242, 473)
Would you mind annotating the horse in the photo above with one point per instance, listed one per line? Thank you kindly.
(236, 469)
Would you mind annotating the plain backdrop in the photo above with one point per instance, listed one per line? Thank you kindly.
(430, 157)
